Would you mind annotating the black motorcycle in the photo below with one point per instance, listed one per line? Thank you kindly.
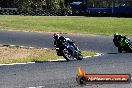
(69, 52)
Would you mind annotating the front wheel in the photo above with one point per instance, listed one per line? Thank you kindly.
(67, 55)
(80, 56)
(119, 49)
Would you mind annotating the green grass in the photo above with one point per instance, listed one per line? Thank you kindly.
(20, 55)
(83, 25)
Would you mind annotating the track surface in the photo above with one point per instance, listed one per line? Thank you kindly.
(62, 74)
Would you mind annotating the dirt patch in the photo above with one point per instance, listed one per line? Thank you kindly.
(23, 55)
(14, 53)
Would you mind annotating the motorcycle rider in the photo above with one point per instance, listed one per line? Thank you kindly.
(59, 40)
(117, 39)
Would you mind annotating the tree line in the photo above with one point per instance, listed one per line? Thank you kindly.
(32, 4)
(46, 4)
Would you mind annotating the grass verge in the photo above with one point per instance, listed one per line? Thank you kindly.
(21, 55)
(83, 25)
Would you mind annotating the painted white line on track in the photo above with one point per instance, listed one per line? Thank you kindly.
(31, 47)
(87, 56)
(12, 45)
(97, 54)
(57, 60)
(1, 45)
(17, 63)
(45, 48)
(36, 87)
(9, 45)
(22, 46)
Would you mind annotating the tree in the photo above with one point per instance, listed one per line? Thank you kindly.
(7, 3)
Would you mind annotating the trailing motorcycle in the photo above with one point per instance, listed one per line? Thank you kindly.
(123, 44)
(69, 52)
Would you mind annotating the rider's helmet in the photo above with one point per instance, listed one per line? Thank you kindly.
(116, 34)
(56, 36)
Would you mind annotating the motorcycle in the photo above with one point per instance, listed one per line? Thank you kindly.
(69, 52)
(124, 44)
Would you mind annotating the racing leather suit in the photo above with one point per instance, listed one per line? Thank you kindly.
(117, 39)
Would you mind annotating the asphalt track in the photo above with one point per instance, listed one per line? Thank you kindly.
(62, 74)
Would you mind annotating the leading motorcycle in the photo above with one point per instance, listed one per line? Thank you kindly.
(69, 52)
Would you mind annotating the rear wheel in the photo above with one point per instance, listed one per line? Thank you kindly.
(67, 55)
(80, 56)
